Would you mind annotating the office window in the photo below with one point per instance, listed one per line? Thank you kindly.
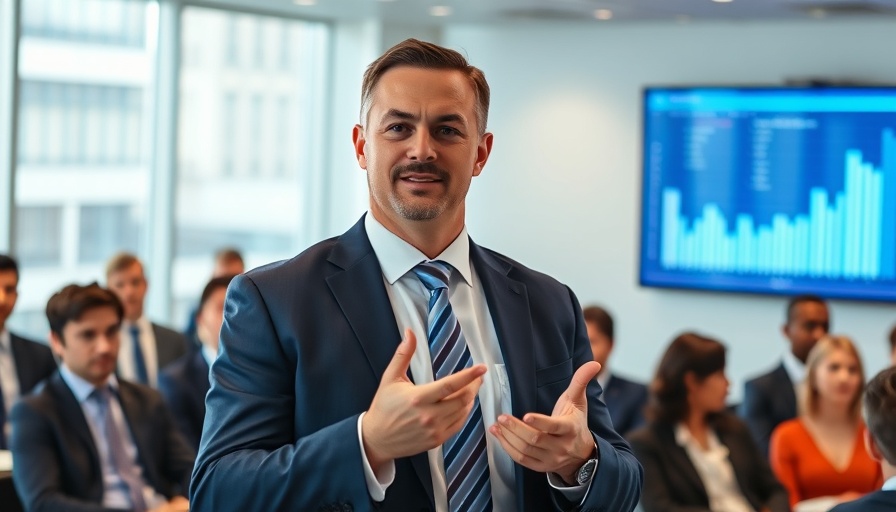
(38, 233)
(105, 229)
(82, 171)
(248, 165)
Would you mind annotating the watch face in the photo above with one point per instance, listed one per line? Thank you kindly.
(584, 474)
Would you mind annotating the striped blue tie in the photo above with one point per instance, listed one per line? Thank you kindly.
(466, 460)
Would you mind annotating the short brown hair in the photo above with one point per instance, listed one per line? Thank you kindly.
(228, 255)
(601, 318)
(880, 412)
(421, 54)
(893, 339)
(821, 350)
(688, 353)
(70, 303)
(119, 262)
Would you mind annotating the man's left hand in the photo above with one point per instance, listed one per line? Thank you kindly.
(559, 443)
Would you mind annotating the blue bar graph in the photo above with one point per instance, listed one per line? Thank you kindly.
(846, 234)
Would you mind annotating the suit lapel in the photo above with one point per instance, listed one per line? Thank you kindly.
(681, 462)
(508, 304)
(71, 411)
(139, 425)
(361, 294)
(787, 394)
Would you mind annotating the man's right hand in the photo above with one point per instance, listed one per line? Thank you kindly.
(405, 419)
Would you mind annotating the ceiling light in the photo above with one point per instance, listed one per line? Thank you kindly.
(817, 13)
(723, 1)
(603, 14)
(440, 10)
(304, 3)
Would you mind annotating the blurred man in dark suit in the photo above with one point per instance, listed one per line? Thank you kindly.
(771, 398)
(23, 363)
(146, 347)
(624, 398)
(880, 441)
(228, 262)
(85, 440)
(184, 382)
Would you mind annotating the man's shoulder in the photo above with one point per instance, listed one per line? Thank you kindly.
(770, 378)
(626, 384)
(182, 366)
(29, 344)
(144, 395)
(517, 271)
(876, 501)
(45, 397)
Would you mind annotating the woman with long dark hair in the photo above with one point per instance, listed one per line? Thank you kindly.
(696, 456)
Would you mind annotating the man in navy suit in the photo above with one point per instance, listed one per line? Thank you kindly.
(146, 346)
(319, 402)
(880, 441)
(86, 441)
(23, 363)
(624, 398)
(770, 399)
(184, 383)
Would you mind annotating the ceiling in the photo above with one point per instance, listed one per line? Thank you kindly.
(499, 11)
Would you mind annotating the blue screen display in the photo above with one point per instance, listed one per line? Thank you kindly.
(770, 190)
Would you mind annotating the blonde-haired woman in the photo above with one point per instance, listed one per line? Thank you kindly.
(820, 456)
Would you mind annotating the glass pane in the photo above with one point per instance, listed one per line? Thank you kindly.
(247, 113)
(86, 72)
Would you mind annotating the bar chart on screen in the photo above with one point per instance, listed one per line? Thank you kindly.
(771, 190)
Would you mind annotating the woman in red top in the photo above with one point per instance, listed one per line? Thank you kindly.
(820, 456)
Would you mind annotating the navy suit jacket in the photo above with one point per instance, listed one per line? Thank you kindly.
(34, 362)
(183, 384)
(626, 400)
(769, 400)
(303, 347)
(170, 344)
(672, 484)
(879, 501)
(56, 464)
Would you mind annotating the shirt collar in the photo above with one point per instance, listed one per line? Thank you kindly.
(80, 387)
(398, 257)
(684, 438)
(795, 368)
(890, 484)
(208, 354)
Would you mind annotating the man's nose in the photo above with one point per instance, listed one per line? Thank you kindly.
(422, 149)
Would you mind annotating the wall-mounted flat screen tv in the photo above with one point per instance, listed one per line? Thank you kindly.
(777, 190)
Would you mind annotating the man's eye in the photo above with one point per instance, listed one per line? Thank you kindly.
(396, 128)
(447, 130)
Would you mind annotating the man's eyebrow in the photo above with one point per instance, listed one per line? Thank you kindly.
(451, 118)
(394, 113)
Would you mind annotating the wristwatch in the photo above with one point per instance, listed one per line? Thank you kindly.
(583, 475)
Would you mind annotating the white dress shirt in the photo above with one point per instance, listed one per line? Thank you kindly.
(115, 491)
(409, 299)
(795, 369)
(715, 471)
(890, 484)
(9, 379)
(126, 368)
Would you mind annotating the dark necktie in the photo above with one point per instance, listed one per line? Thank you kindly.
(124, 464)
(139, 360)
(3, 445)
(465, 456)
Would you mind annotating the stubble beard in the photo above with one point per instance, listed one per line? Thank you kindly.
(409, 210)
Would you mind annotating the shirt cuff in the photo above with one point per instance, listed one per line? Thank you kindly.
(574, 493)
(376, 486)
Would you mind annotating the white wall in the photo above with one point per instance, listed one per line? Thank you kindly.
(561, 191)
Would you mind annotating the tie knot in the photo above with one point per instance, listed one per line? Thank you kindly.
(102, 395)
(134, 329)
(433, 274)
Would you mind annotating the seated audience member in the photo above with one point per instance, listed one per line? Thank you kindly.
(893, 346)
(697, 457)
(23, 363)
(880, 441)
(86, 440)
(625, 398)
(146, 347)
(820, 456)
(184, 382)
(228, 262)
(771, 398)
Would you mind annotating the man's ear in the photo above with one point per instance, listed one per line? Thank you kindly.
(872, 448)
(482, 152)
(57, 344)
(359, 142)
